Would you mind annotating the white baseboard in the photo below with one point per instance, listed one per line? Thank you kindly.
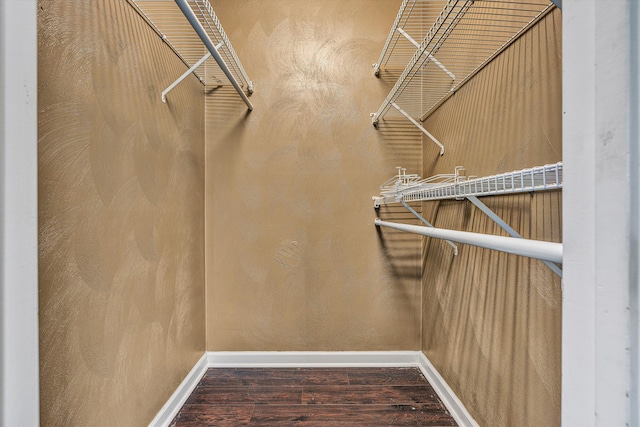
(295, 359)
(283, 359)
(455, 407)
(170, 409)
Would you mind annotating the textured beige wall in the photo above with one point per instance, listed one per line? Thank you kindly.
(492, 321)
(121, 194)
(293, 259)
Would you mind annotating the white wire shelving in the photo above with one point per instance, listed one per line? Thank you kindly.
(196, 39)
(404, 188)
(441, 44)
(411, 188)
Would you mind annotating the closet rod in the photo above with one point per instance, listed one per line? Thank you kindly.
(202, 33)
(546, 251)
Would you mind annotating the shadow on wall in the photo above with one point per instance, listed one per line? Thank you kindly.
(399, 248)
(403, 143)
(493, 317)
(225, 110)
(226, 116)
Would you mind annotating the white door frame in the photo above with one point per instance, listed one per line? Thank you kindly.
(601, 211)
(19, 369)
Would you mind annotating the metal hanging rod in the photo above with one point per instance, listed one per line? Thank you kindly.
(506, 227)
(428, 224)
(464, 37)
(206, 40)
(166, 17)
(212, 23)
(546, 251)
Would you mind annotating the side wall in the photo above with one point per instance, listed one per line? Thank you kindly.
(492, 321)
(120, 216)
(293, 259)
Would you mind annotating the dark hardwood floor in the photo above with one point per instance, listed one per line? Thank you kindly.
(313, 397)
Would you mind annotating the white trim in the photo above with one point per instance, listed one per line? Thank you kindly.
(317, 359)
(599, 273)
(314, 359)
(19, 355)
(449, 399)
(177, 399)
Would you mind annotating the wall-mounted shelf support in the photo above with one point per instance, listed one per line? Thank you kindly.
(206, 40)
(186, 74)
(506, 227)
(419, 126)
(428, 224)
(387, 43)
(431, 57)
(546, 251)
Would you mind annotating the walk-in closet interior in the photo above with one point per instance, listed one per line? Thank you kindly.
(236, 178)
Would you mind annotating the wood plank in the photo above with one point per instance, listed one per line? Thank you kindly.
(386, 376)
(224, 377)
(368, 395)
(348, 416)
(208, 415)
(245, 395)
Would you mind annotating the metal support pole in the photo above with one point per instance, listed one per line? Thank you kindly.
(428, 224)
(202, 33)
(419, 126)
(548, 251)
(431, 57)
(186, 73)
(506, 227)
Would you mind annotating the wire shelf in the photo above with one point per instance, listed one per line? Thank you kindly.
(410, 188)
(442, 44)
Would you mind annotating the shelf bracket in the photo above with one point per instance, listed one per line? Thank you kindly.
(428, 224)
(506, 227)
(419, 126)
(186, 74)
(377, 65)
(431, 57)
